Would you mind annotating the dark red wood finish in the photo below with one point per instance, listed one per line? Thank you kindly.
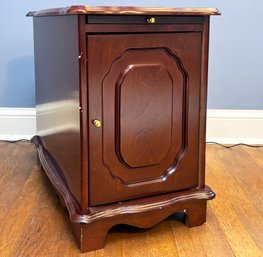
(124, 10)
(147, 85)
(84, 116)
(57, 94)
(203, 102)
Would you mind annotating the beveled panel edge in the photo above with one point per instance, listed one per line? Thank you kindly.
(124, 10)
(183, 148)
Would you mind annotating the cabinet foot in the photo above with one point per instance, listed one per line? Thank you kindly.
(90, 237)
(196, 214)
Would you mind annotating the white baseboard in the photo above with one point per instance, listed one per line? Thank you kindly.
(223, 126)
(235, 126)
(17, 123)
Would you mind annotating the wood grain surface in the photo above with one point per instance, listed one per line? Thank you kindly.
(153, 130)
(33, 223)
(124, 10)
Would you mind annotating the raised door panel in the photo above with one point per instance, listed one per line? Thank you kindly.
(144, 125)
(139, 125)
(140, 87)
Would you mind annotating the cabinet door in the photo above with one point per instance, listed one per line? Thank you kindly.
(145, 90)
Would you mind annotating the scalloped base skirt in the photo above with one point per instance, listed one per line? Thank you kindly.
(91, 236)
(90, 229)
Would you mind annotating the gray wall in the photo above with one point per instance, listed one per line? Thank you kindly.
(236, 50)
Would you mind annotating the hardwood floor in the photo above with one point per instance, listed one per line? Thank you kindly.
(34, 224)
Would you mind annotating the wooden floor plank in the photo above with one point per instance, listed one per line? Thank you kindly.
(207, 240)
(247, 171)
(33, 223)
(12, 174)
(231, 192)
(15, 219)
(40, 224)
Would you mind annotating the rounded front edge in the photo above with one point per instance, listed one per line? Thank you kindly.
(124, 10)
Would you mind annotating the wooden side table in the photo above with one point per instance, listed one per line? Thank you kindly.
(121, 112)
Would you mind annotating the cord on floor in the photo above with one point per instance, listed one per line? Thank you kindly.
(231, 146)
(210, 143)
(15, 141)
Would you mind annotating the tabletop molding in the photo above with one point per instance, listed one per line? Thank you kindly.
(124, 10)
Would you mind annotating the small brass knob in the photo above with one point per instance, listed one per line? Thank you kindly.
(151, 20)
(97, 123)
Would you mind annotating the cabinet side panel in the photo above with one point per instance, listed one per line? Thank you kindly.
(57, 94)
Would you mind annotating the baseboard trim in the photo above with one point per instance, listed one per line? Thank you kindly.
(235, 126)
(17, 123)
(223, 126)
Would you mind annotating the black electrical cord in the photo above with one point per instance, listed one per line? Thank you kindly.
(210, 143)
(231, 146)
(15, 141)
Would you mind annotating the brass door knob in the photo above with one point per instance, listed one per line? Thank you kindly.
(151, 20)
(97, 123)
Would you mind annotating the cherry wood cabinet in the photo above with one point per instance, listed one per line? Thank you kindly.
(147, 145)
(121, 111)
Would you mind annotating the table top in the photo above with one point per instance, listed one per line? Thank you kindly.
(124, 10)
